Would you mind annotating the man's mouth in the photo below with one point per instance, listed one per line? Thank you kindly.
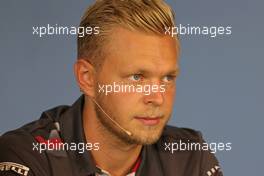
(149, 120)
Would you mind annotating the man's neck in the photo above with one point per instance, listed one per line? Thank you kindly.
(114, 155)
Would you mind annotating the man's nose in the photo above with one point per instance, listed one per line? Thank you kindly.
(155, 98)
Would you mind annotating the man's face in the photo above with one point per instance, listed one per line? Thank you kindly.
(138, 59)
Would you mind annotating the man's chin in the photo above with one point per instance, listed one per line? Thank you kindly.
(146, 138)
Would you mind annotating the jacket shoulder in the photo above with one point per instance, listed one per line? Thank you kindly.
(18, 147)
(186, 149)
(185, 134)
(16, 151)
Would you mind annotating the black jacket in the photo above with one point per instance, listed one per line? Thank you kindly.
(64, 124)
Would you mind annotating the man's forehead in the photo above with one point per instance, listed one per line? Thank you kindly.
(133, 51)
(139, 41)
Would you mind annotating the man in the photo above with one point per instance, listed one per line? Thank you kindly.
(127, 75)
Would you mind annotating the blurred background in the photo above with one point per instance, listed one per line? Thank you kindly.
(219, 91)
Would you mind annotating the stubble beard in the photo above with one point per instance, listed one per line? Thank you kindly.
(149, 135)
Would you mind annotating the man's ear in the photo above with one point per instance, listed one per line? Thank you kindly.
(85, 76)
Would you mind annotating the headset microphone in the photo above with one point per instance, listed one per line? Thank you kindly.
(126, 131)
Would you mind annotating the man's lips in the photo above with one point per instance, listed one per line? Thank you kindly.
(149, 120)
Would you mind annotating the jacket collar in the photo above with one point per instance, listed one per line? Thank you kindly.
(151, 164)
(72, 131)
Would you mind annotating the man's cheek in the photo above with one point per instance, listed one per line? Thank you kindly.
(168, 105)
(169, 96)
(128, 100)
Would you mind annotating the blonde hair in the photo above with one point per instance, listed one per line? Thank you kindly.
(149, 16)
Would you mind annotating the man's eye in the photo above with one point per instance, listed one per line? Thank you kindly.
(169, 78)
(136, 77)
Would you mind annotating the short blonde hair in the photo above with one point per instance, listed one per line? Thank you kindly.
(150, 16)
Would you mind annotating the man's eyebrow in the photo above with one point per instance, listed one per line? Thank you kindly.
(171, 72)
(174, 72)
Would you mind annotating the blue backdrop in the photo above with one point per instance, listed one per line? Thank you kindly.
(220, 89)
